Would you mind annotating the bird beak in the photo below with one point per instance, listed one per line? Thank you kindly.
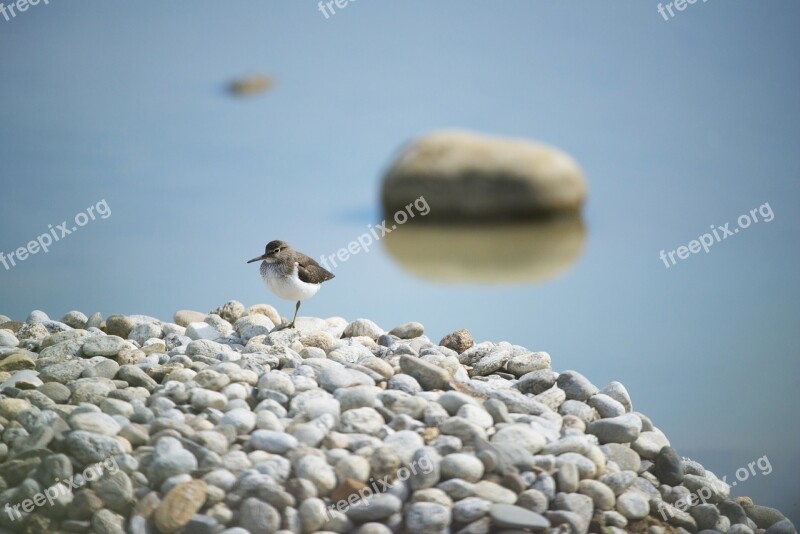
(260, 258)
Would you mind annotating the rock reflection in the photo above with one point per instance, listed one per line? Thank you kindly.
(519, 252)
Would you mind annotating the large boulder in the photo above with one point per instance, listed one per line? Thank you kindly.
(464, 175)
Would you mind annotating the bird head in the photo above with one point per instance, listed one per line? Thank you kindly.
(273, 252)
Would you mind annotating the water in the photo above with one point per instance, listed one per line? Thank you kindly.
(678, 125)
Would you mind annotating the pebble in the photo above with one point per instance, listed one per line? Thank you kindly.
(668, 466)
(102, 346)
(408, 330)
(202, 331)
(459, 341)
(8, 339)
(470, 509)
(625, 457)
(464, 466)
(179, 506)
(575, 385)
(567, 478)
(272, 441)
(528, 362)
(602, 496)
(374, 508)
(623, 429)
(363, 327)
(649, 444)
(428, 375)
(510, 516)
(426, 517)
(633, 505)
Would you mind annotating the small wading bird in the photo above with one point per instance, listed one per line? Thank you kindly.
(290, 274)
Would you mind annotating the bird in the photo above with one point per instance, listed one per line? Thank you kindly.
(290, 274)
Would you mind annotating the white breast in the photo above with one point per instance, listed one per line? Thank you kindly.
(288, 287)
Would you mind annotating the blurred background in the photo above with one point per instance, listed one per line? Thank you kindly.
(677, 125)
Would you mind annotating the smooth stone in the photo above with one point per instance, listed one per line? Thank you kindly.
(75, 319)
(272, 441)
(606, 406)
(257, 516)
(463, 466)
(623, 429)
(425, 517)
(574, 502)
(567, 478)
(575, 385)
(762, 516)
(494, 361)
(633, 505)
(649, 443)
(602, 496)
(784, 526)
(510, 516)
(467, 175)
(186, 317)
(528, 362)
(520, 435)
(706, 516)
(202, 331)
(334, 378)
(495, 493)
(668, 467)
(8, 339)
(470, 509)
(536, 382)
(625, 457)
(88, 447)
(408, 330)
(374, 508)
(97, 423)
(429, 376)
(102, 346)
(363, 327)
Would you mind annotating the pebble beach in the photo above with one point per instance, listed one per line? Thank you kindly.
(221, 423)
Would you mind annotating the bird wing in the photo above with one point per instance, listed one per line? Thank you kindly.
(310, 271)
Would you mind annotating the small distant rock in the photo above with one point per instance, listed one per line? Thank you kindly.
(251, 85)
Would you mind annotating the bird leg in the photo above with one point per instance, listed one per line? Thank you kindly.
(296, 308)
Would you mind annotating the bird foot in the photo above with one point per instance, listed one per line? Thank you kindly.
(283, 326)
